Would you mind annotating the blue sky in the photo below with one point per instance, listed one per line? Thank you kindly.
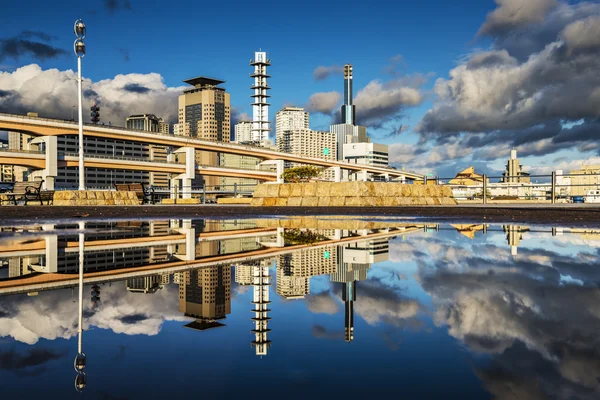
(403, 47)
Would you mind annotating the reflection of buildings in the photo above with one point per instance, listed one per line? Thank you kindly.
(514, 234)
(354, 261)
(147, 284)
(295, 269)
(205, 294)
(469, 230)
(261, 283)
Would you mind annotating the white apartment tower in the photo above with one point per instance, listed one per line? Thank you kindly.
(288, 119)
(243, 131)
(260, 107)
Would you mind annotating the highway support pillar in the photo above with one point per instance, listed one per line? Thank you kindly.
(190, 171)
(279, 165)
(49, 173)
(337, 173)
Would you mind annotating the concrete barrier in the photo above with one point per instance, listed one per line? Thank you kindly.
(357, 194)
(94, 198)
(231, 200)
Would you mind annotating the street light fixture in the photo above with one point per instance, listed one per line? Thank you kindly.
(79, 49)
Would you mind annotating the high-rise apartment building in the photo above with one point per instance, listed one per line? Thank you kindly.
(260, 106)
(287, 119)
(204, 112)
(309, 143)
(243, 132)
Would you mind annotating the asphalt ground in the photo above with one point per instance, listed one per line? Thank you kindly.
(563, 215)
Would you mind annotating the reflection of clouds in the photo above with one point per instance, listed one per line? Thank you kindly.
(53, 314)
(29, 363)
(322, 303)
(540, 329)
(320, 332)
(377, 302)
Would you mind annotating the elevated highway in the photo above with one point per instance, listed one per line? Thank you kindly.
(50, 281)
(39, 247)
(37, 160)
(55, 127)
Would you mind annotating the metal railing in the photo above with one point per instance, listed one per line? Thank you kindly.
(550, 188)
(7, 150)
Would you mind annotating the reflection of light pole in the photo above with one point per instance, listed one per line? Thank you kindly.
(80, 359)
(79, 48)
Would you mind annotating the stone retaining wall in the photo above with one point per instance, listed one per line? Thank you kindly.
(94, 198)
(356, 194)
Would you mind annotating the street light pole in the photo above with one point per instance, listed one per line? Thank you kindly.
(79, 48)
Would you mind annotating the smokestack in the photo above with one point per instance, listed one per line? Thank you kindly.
(348, 108)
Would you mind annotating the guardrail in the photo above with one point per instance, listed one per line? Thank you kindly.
(551, 188)
(7, 150)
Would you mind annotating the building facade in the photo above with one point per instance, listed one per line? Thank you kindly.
(146, 122)
(204, 113)
(584, 179)
(287, 119)
(309, 143)
(514, 171)
(371, 154)
(205, 294)
(243, 132)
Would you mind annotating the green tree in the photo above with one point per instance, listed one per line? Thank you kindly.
(296, 236)
(301, 174)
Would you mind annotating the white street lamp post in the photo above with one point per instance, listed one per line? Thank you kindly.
(79, 48)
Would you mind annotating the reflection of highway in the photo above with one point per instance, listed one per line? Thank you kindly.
(54, 267)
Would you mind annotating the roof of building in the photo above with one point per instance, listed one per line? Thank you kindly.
(203, 80)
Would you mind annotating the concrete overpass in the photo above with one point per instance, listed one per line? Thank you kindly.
(50, 281)
(55, 127)
(40, 247)
(37, 160)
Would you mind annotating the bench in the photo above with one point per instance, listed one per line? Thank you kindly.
(25, 191)
(47, 196)
(144, 194)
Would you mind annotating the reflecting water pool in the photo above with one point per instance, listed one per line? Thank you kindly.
(299, 308)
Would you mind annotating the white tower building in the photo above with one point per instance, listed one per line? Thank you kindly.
(262, 283)
(260, 107)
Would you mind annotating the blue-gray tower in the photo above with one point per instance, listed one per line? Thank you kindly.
(348, 107)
